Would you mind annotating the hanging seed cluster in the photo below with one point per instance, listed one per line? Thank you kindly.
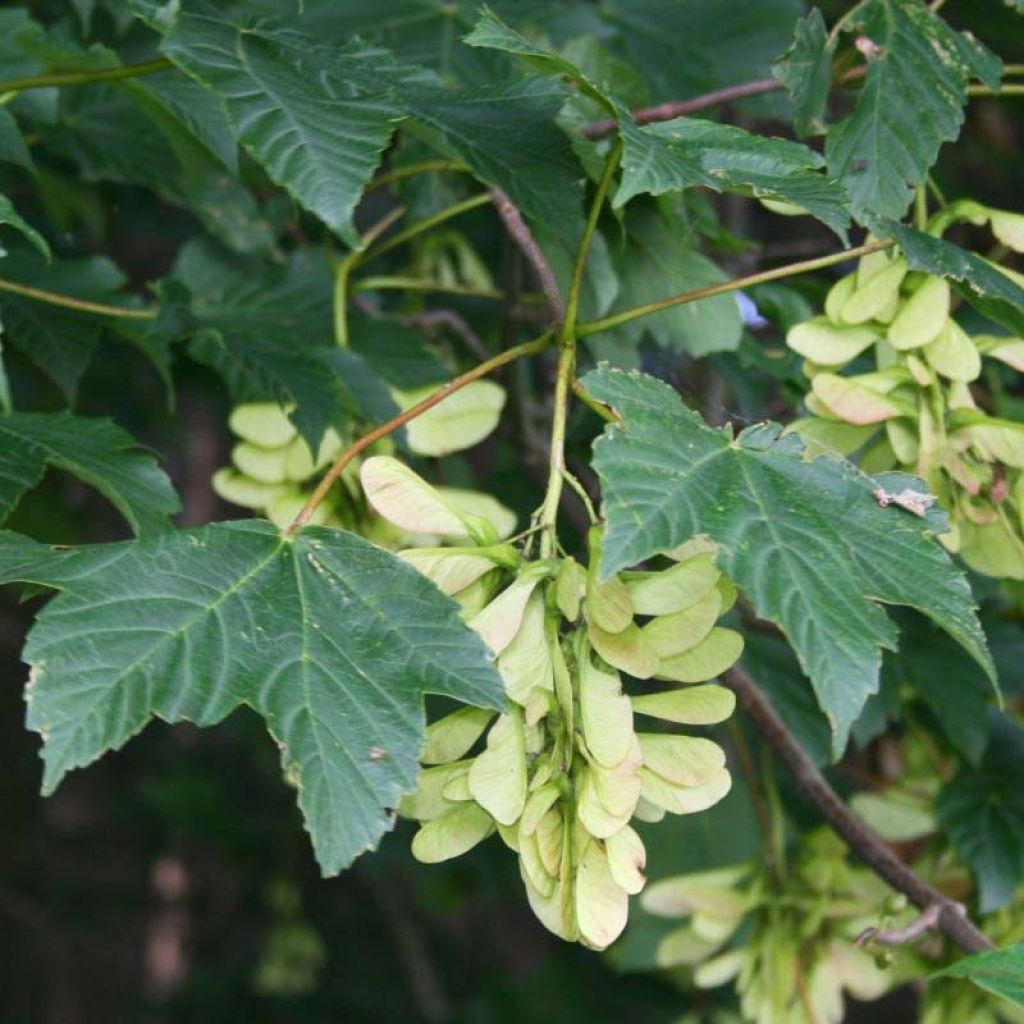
(891, 375)
(273, 469)
(574, 759)
(764, 928)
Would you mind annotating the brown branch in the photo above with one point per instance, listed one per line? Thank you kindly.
(433, 318)
(527, 348)
(952, 917)
(680, 108)
(523, 237)
(926, 921)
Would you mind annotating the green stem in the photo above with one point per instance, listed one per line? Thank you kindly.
(149, 67)
(82, 305)
(581, 493)
(527, 348)
(426, 224)
(409, 170)
(418, 284)
(921, 208)
(343, 271)
(1008, 89)
(592, 403)
(789, 270)
(566, 372)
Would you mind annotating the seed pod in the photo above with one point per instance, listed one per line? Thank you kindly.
(605, 713)
(450, 570)
(462, 420)
(262, 423)
(451, 737)
(239, 489)
(820, 340)
(570, 586)
(630, 650)
(627, 859)
(855, 400)
(452, 834)
(428, 801)
(672, 590)
(682, 760)
(683, 630)
(263, 464)
(498, 623)
(719, 650)
(694, 705)
(953, 353)
(922, 317)
(837, 295)
(497, 777)
(871, 299)
(683, 799)
(407, 500)
(525, 664)
(607, 602)
(602, 906)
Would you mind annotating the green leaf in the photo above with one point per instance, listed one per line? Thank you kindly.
(992, 292)
(96, 451)
(982, 809)
(912, 101)
(507, 136)
(952, 687)
(686, 151)
(195, 108)
(267, 330)
(58, 340)
(12, 146)
(291, 105)
(491, 32)
(685, 49)
(807, 542)
(11, 217)
(805, 69)
(333, 641)
(999, 971)
(659, 259)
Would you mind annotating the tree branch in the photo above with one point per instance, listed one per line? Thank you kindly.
(679, 108)
(523, 237)
(527, 348)
(952, 917)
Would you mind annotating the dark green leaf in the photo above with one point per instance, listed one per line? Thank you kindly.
(395, 352)
(912, 101)
(333, 641)
(1000, 971)
(685, 152)
(11, 217)
(267, 329)
(947, 680)
(507, 136)
(805, 69)
(491, 32)
(660, 259)
(292, 106)
(685, 49)
(12, 146)
(59, 341)
(806, 541)
(982, 809)
(96, 451)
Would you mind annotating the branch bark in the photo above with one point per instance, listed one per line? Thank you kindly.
(523, 237)
(952, 917)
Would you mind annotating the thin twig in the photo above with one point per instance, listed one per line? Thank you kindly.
(869, 847)
(423, 167)
(149, 67)
(528, 348)
(523, 237)
(455, 323)
(81, 305)
(789, 270)
(599, 408)
(926, 921)
(421, 226)
(679, 108)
